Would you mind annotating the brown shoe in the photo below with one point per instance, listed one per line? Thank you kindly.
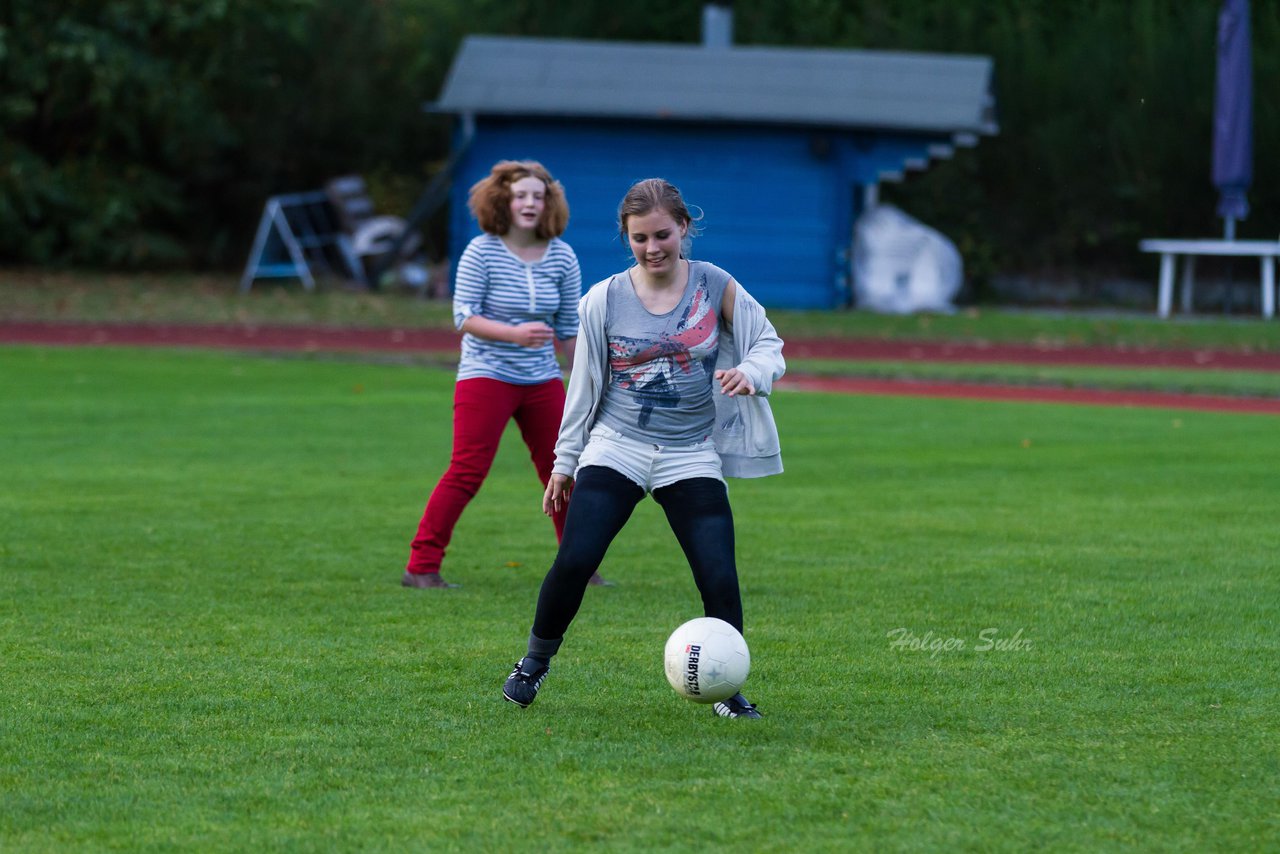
(423, 580)
(600, 581)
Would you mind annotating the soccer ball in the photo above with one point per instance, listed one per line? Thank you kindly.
(706, 660)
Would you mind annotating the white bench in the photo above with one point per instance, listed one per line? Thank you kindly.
(1266, 250)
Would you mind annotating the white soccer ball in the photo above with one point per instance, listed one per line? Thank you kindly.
(706, 660)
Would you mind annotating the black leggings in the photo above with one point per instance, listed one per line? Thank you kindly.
(602, 500)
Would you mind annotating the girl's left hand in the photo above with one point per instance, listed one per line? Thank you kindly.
(734, 381)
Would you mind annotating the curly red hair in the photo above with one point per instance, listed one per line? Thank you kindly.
(490, 199)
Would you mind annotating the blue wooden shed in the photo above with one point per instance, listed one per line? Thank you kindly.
(780, 148)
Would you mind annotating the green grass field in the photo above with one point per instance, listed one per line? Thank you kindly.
(205, 645)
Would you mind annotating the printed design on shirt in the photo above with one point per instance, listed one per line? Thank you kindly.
(647, 368)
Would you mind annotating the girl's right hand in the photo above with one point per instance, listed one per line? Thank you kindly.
(559, 488)
(532, 334)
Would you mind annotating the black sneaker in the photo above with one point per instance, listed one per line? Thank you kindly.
(735, 707)
(522, 686)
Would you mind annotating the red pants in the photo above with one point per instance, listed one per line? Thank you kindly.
(481, 410)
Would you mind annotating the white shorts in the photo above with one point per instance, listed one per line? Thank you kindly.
(651, 466)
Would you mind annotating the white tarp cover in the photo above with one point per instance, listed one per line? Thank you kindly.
(901, 265)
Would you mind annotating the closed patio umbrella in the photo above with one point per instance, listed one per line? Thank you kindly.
(1233, 115)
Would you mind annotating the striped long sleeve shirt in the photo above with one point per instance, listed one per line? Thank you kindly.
(496, 284)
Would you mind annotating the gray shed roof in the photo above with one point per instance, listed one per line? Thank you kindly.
(819, 87)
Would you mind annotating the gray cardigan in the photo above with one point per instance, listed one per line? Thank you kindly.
(745, 434)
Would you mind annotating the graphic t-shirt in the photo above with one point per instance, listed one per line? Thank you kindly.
(662, 366)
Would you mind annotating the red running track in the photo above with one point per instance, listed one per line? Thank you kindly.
(336, 339)
(1036, 394)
